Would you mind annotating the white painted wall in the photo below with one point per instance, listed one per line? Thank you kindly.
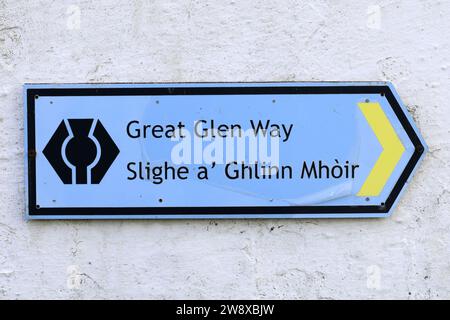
(406, 42)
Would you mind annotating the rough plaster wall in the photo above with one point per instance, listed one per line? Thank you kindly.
(406, 42)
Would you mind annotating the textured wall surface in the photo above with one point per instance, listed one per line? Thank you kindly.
(406, 42)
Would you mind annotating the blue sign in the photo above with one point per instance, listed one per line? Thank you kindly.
(217, 150)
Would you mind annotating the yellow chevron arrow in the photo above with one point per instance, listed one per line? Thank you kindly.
(392, 149)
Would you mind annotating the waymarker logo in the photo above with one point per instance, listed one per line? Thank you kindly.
(81, 151)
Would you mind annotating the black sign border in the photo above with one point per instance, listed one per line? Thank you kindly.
(36, 211)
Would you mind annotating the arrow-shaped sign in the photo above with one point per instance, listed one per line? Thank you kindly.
(217, 150)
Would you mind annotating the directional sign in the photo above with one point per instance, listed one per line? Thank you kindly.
(217, 150)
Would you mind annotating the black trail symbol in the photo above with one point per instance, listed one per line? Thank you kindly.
(81, 151)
